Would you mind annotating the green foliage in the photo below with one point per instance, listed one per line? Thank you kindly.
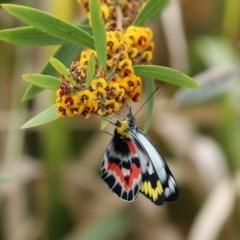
(61, 69)
(99, 32)
(42, 81)
(166, 74)
(65, 53)
(44, 117)
(45, 29)
(90, 70)
(50, 24)
(34, 36)
(151, 8)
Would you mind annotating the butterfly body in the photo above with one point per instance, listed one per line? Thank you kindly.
(132, 164)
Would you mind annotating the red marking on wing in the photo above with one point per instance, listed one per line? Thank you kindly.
(132, 147)
(128, 180)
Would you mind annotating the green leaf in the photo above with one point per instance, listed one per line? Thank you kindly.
(32, 36)
(42, 81)
(66, 53)
(99, 33)
(166, 74)
(104, 122)
(28, 36)
(61, 69)
(50, 24)
(150, 88)
(44, 117)
(151, 8)
(90, 70)
(31, 92)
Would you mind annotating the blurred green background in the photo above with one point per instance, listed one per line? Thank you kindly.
(50, 186)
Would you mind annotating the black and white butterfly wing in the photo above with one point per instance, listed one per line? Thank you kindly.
(158, 183)
(121, 168)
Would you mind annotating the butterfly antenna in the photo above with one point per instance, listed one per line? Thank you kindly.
(112, 121)
(149, 97)
(128, 107)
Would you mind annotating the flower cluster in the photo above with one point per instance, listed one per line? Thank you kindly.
(108, 90)
(116, 12)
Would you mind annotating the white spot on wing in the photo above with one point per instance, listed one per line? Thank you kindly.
(153, 154)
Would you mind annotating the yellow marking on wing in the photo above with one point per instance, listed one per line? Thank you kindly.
(154, 193)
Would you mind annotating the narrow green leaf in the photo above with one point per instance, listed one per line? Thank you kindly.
(166, 74)
(66, 53)
(150, 88)
(151, 8)
(50, 24)
(104, 122)
(61, 69)
(90, 70)
(42, 81)
(28, 36)
(44, 117)
(99, 33)
(31, 92)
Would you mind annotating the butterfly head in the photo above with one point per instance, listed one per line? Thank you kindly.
(125, 127)
(122, 128)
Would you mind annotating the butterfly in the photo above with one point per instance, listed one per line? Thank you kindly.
(132, 164)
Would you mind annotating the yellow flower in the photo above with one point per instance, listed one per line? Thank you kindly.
(84, 96)
(99, 93)
(102, 110)
(110, 63)
(133, 52)
(105, 11)
(58, 93)
(125, 67)
(120, 97)
(70, 101)
(69, 112)
(61, 111)
(111, 106)
(99, 83)
(87, 109)
(129, 83)
(112, 42)
(136, 94)
(147, 56)
(84, 5)
(85, 55)
(132, 85)
(122, 56)
(112, 89)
